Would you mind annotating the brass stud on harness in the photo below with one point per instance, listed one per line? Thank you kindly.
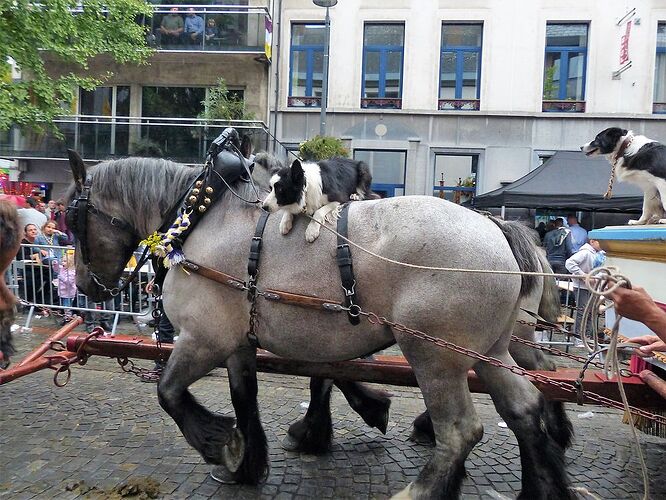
(192, 199)
(202, 208)
(207, 201)
(209, 190)
(195, 191)
(198, 184)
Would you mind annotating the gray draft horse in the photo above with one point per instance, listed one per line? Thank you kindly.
(477, 311)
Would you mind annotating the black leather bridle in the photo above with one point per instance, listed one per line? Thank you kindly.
(76, 216)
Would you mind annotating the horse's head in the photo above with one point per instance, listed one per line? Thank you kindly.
(104, 241)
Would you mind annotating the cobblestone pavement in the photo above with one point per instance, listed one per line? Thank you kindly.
(106, 426)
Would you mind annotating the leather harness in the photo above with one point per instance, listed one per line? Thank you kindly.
(224, 167)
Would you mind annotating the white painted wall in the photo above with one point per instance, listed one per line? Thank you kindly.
(513, 50)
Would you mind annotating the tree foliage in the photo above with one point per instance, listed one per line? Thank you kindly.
(322, 148)
(221, 104)
(70, 33)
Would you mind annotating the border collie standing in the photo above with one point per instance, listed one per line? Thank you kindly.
(316, 189)
(638, 160)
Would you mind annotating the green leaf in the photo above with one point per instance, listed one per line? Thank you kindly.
(52, 43)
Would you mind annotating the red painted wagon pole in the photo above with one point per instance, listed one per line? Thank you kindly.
(391, 370)
(37, 360)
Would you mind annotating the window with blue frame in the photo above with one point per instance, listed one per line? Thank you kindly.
(564, 67)
(460, 66)
(387, 168)
(659, 100)
(383, 50)
(306, 63)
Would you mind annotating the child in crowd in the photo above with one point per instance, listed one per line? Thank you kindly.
(67, 282)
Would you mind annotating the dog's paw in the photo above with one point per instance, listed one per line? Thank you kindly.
(312, 232)
(634, 222)
(661, 221)
(285, 225)
(355, 197)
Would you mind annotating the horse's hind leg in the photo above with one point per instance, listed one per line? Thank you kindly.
(212, 435)
(242, 371)
(526, 357)
(443, 382)
(539, 428)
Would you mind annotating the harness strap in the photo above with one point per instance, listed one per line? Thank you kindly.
(268, 294)
(255, 247)
(344, 259)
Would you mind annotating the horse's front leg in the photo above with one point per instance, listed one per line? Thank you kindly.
(313, 433)
(242, 372)
(213, 436)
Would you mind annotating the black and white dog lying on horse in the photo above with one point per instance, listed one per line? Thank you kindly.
(317, 189)
(474, 310)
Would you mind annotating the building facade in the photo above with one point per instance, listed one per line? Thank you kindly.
(159, 105)
(436, 94)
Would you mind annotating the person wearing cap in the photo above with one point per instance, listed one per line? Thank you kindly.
(194, 28)
(171, 28)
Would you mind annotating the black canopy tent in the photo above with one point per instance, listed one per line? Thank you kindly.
(568, 181)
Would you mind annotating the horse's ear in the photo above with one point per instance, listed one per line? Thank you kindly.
(246, 147)
(78, 168)
(297, 174)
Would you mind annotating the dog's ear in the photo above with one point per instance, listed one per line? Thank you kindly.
(297, 174)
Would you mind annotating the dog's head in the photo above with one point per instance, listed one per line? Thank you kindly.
(287, 189)
(606, 142)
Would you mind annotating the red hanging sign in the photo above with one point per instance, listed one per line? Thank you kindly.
(624, 44)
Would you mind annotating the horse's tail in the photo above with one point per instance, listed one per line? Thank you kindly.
(549, 306)
(523, 243)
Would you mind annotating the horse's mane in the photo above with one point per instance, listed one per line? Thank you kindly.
(140, 183)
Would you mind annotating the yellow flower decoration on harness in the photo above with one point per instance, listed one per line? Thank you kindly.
(152, 242)
(164, 245)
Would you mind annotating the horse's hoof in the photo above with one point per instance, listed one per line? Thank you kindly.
(423, 438)
(234, 451)
(289, 443)
(222, 475)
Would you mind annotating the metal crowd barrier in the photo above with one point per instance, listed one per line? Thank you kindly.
(34, 280)
(572, 302)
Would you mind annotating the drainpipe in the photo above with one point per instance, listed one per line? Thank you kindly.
(277, 46)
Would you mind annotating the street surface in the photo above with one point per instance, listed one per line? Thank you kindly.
(106, 427)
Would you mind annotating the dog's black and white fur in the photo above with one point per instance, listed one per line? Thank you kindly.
(316, 189)
(643, 162)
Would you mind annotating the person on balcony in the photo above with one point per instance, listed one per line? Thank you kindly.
(212, 30)
(194, 28)
(171, 28)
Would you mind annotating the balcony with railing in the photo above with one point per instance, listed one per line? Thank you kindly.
(208, 28)
(184, 140)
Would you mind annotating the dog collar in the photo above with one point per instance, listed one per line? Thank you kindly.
(623, 147)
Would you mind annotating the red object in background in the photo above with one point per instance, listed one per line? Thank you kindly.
(17, 200)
